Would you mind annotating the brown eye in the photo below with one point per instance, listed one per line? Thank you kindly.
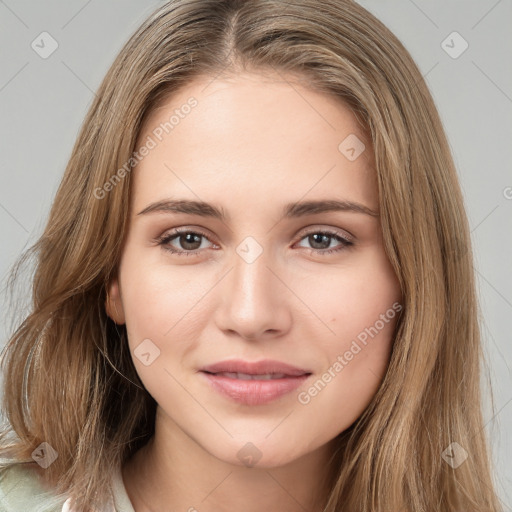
(320, 242)
(189, 242)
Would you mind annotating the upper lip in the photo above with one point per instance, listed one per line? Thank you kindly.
(254, 367)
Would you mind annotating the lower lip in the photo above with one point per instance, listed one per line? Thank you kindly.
(254, 392)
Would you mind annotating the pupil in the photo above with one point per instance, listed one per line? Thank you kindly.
(319, 235)
(189, 239)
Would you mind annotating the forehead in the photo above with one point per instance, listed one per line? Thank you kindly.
(251, 100)
(253, 134)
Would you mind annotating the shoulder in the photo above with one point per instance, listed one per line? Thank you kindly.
(21, 490)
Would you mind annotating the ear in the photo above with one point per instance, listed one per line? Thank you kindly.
(114, 303)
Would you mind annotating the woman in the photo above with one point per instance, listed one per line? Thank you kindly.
(253, 370)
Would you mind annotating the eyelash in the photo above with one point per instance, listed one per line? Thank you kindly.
(166, 238)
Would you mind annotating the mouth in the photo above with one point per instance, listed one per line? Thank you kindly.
(248, 376)
(254, 383)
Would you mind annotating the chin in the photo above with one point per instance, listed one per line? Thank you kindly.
(258, 453)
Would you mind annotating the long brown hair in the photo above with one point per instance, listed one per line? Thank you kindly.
(69, 380)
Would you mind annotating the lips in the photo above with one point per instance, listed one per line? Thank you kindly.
(264, 367)
(254, 383)
(248, 376)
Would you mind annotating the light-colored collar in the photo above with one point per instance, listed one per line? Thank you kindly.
(119, 501)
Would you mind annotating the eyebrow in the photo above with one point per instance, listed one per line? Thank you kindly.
(291, 210)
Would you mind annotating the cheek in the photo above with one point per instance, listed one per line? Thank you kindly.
(342, 390)
(350, 299)
(158, 305)
(144, 301)
(155, 296)
(360, 307)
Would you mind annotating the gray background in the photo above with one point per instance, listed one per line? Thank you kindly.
(43, 103)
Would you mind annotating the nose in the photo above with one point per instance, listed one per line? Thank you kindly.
(254, 299)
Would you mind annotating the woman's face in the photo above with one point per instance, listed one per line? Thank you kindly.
(277, 279)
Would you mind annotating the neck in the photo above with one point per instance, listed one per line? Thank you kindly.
(173, 472)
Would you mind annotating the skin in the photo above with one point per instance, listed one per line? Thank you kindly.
(253, 143)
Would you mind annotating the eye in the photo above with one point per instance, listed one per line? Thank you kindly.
(321, 241)
(186, 238)
(190, 241)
